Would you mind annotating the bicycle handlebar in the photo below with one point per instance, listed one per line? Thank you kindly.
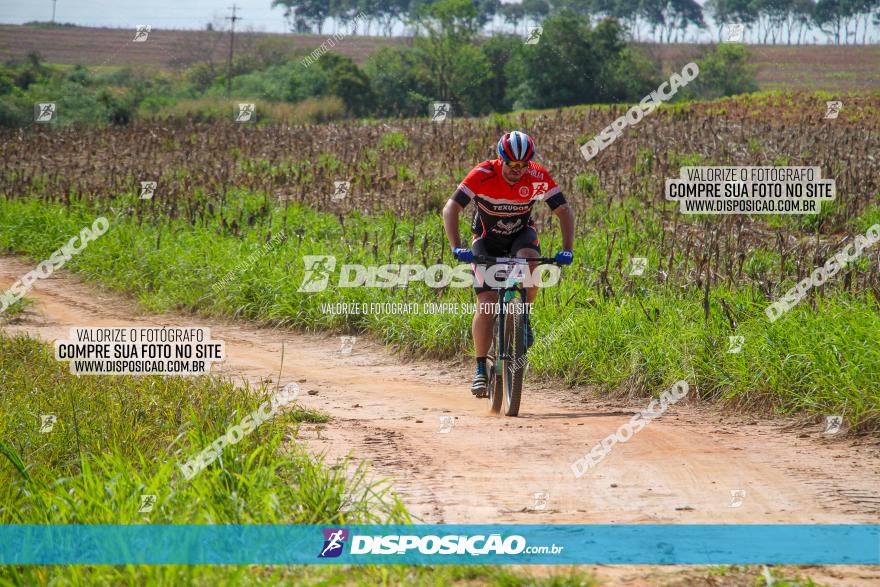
(487, 260)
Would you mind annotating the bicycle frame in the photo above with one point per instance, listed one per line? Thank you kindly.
(509, 287)
(508, 358)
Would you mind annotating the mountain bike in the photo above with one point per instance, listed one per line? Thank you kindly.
(506, 362)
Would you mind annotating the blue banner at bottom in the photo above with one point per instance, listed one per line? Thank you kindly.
(656, 544)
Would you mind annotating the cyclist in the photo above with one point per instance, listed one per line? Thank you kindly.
(503, 191)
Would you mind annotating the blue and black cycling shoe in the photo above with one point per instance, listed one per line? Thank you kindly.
(480, 386)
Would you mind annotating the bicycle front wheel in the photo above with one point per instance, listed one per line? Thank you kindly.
(493, 367)
(514, 366)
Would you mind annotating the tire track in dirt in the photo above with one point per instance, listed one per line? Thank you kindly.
(681, 468)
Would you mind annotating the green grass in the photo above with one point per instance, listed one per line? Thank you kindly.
(15, 311)
(639, 336)
(393, 140)
(746, 575)
(117, 438)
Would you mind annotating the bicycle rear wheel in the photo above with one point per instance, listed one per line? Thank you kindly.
(515, 365)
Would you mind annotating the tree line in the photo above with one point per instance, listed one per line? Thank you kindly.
(574, 63)
(763, 21)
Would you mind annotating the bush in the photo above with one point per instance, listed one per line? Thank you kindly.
(498, 51)
(724, 72)
(119, 109)
(15, 111)
(311, 110)
(352, 86)
(202, 76)
(7, 83)
(574, 64)
(399, 91)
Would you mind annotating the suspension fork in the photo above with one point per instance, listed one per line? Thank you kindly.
(502, 351)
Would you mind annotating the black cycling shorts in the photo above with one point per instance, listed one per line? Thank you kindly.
(527, 238)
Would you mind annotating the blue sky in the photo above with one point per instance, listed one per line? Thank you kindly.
(177, 14)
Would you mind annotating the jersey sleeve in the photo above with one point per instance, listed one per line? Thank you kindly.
(461, 198)
(468, 188)
(553, 195)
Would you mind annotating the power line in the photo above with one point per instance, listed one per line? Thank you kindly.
(232, 18)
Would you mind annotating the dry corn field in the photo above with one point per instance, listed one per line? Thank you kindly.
(412, 166)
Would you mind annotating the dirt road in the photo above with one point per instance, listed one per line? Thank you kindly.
(681, 468)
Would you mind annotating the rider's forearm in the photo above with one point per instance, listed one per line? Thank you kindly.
(450, 223)
(566, 224)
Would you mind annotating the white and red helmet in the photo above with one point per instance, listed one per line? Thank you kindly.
(516, 146)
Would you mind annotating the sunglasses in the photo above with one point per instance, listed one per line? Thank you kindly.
(517, 164)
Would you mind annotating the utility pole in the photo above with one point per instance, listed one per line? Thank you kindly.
(54, 2)
(232, 18)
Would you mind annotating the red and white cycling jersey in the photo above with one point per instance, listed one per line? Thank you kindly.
(503, 210)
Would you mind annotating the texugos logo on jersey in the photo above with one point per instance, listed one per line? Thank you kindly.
(334, 542)
(320, 268)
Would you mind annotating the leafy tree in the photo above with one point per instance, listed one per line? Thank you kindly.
(444, 64)
(726, 12)
(672, 15)
(399, 89)
(450, 64)
(353, 87)
(386, 12)
(536, 10)
(628, 13)
(829, 16)
(861, 13)
(797, 20)
(456, 20)
(513, 13)
(486, 9)
(7, 84)
(498, 51)
(305, 13)
(574, 64)
(771, 15)
(724, 72)
(581, 7)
